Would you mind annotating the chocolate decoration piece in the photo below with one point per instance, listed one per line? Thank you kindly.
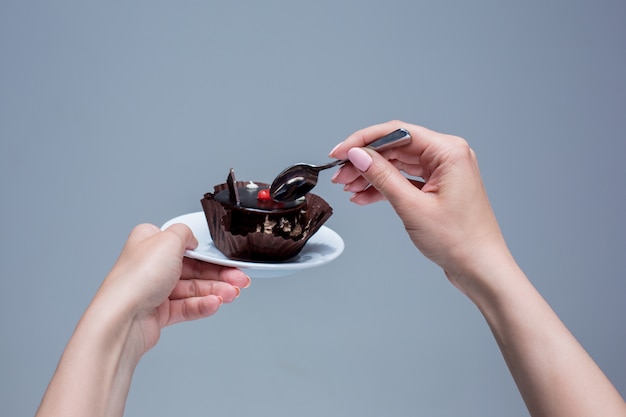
(233, 192)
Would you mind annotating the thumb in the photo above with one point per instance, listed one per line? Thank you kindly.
(385, 178)
(184, 233)
(140, 233)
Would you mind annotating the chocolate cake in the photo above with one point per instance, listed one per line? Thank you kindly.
(246, 224)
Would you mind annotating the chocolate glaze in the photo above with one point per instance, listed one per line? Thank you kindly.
(248, 200)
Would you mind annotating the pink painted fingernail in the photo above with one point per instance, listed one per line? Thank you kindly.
(335, 175)
(360, 159)
(334, 149)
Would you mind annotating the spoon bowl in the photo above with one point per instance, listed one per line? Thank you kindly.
(298, 179)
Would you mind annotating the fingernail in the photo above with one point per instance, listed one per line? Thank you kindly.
(351, 188)
(334, 149)
(335, 175)
(247, 282)
(360, 159)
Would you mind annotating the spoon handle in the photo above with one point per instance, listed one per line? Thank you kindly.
(396, 138)
(330, 164)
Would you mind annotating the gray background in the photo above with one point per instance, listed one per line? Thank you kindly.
(116, 114)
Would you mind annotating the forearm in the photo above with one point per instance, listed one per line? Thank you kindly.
(94, 374)
(554, 374)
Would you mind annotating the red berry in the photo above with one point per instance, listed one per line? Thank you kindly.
(264, 194)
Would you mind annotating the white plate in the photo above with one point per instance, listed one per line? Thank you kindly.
(322, 247)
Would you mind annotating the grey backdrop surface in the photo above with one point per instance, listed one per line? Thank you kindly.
(127, 112)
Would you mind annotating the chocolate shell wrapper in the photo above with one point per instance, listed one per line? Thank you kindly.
(258, 236)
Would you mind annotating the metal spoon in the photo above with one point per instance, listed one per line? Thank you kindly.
(297, 180)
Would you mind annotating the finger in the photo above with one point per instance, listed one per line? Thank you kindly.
(141, 232)
(195, 269)
(346, 174)
(385, 178)
(189, 309)
(413, 170)
(357, 185)
(422, 138)
(401, 154)
(368, 196)
(371, 195)
(191, 288)
(363, 137)
(184, 233)
(360, 183)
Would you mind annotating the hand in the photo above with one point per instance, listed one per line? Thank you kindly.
(162, 286)
(446, 211)
(448, 217)
(150, 286)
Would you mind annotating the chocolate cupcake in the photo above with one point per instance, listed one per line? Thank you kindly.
(246, 224)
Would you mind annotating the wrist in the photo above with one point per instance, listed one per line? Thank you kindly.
(116, 310)
(111, 325)
(486, 272)
(94, 374)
